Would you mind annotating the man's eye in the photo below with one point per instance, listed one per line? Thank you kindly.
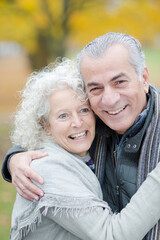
(63, 116)
(94, 89)
(120, 82)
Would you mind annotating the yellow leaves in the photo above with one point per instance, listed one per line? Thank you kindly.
(16, 28)
(33, 10)
(139, 18)
(88, 24)
(53, 21)
(55, 8)
(41, 20)
(28, 5)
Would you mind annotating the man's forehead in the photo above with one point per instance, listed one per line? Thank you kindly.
(115, 57)
(89, 64)
(114, 48)
(87, 59)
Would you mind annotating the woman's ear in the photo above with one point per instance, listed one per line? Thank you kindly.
(45, 126)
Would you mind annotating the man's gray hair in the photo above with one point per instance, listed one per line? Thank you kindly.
(34, 108)
(100, 45)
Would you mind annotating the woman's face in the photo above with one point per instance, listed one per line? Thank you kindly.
(71, 122)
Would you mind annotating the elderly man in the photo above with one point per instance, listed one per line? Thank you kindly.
(126, 147)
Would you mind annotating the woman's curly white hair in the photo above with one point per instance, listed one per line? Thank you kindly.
(34, 107)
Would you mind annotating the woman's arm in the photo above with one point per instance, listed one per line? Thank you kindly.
(132, 223)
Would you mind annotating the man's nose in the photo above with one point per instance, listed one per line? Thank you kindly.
(110, 97)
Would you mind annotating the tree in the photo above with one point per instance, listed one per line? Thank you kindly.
(48, 28)
(43, 27)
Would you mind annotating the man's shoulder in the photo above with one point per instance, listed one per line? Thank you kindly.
(154, 88)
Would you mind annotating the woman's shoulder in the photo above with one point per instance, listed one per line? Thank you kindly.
(64, 173)
(56, 156)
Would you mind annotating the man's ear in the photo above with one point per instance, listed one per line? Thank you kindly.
(45, 126)
(145, 79)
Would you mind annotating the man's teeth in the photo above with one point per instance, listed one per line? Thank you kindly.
(79, 135)
(117, 111)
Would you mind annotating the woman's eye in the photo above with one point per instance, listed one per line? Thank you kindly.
(84, 110)
(63, 116)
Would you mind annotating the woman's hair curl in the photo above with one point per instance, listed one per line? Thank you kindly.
(34, 107)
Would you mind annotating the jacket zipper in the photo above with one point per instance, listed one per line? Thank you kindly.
(114, 154)
(115, 163)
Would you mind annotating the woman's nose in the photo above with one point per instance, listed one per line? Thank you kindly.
(76, 121)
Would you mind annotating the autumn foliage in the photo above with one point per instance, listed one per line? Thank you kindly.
(50, 28)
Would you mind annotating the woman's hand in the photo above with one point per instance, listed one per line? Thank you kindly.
(22, 174)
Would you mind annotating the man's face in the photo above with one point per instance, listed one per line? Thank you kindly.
(116, 95)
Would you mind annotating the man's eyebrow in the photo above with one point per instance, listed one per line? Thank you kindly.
(92, 84)
(118, 76)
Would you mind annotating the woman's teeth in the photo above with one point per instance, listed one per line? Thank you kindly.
(79, 135)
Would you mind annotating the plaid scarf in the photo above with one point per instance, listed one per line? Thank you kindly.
(149, 157)
(90, 164)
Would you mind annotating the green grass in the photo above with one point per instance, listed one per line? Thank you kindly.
(6, 205)
(7, 190)
(153, 64)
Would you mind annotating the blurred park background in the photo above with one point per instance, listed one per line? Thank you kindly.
(34, 32)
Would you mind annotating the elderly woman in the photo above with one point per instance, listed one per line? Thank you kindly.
(55, 116)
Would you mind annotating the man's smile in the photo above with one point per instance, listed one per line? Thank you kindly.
(116, 111)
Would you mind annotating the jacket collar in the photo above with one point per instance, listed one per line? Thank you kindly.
(135, 134)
